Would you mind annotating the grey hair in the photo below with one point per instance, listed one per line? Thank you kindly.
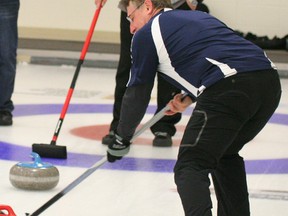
(159, 4)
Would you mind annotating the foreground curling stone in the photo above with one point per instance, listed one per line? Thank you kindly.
(34, 176)
(4, 209)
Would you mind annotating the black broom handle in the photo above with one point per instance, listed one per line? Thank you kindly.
(98, 164)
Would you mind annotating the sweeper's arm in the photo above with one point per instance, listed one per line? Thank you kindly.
(133, 112)
(134, 104)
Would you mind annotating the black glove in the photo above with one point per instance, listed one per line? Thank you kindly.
(117, 149)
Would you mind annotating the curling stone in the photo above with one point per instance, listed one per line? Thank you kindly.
(35, 175)
(6, 210)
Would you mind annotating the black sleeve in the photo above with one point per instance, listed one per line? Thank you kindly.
(133, 109)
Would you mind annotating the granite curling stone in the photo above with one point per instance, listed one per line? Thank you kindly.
(6, 210)
(35, 175)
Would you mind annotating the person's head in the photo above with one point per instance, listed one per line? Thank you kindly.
(139, 12)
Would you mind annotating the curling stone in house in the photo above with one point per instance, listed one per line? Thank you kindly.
(35, 175)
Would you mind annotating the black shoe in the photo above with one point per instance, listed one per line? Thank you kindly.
(106, 140)
(162, 139)
(5, 118)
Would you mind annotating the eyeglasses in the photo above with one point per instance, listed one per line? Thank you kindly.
(129, 16)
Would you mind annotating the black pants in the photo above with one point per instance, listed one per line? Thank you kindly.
(9, 10)
(165, 90)
(227, 115)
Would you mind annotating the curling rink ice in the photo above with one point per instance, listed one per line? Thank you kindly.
(142, 183)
